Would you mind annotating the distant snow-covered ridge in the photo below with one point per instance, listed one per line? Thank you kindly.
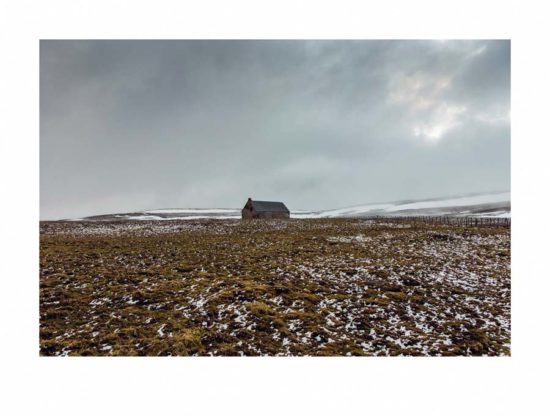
(193, 211)
(495, 205)
(490, 205)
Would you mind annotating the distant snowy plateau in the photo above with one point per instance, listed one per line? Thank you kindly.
(494, 205)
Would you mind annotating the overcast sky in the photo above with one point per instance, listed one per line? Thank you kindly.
(134, 125)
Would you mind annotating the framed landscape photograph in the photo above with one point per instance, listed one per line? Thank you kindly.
(275, 197)
(255, 207)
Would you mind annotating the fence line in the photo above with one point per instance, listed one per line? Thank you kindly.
(466, 221)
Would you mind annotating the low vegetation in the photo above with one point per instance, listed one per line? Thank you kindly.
(298, 287)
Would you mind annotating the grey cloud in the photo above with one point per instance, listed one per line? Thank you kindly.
(128, 125)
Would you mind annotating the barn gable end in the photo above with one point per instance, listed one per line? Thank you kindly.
(264, 209)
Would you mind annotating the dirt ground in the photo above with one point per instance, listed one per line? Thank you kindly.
(298, 287)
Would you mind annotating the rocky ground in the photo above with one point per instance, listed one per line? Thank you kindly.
(299, 287)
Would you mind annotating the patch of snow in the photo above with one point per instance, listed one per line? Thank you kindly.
(193, 211)
(454, 202)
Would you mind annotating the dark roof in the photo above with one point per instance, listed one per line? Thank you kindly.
(269, 206)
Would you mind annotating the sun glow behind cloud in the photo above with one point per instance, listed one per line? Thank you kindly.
(431, 103)
(422, 97)
(443, 119)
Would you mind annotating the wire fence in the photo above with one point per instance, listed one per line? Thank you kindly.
(465, 221)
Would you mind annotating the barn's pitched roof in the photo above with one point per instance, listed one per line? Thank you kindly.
(269, 206)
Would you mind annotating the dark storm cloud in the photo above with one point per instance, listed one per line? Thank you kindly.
(130, 125)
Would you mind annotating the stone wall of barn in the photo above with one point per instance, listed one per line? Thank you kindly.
(246, 214)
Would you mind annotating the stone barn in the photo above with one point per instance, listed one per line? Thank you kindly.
(264, 209)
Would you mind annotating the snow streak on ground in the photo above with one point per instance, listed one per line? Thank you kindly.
(298, 287)
(193, 211)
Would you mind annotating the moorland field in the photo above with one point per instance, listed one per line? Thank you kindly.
(320, 287)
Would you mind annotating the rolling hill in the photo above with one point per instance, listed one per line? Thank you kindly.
(496, 205)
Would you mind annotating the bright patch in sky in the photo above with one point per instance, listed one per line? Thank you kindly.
(444, 119)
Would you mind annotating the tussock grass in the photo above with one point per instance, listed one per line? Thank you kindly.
(298, 287)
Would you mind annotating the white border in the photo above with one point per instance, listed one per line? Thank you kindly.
(86, 386)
